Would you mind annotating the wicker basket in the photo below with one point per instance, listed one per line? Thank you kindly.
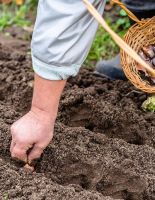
(139, 35)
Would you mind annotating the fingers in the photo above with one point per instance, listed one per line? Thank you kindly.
(19, 151)
(35, 153)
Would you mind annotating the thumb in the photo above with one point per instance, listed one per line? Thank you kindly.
(19, 151)
(35, 153)
(12, 146)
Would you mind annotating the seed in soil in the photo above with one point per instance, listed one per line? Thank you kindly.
(29, 168)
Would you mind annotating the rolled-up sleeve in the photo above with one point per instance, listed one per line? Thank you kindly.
(62, 37)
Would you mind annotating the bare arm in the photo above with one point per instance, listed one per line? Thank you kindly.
(35, 129)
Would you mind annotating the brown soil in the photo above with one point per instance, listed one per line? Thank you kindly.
(103, 148)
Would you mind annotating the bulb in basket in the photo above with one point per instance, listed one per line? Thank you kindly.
(147, 53)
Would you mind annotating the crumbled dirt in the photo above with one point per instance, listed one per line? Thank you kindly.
(103, 146)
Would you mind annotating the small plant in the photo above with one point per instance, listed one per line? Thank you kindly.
(149, 104)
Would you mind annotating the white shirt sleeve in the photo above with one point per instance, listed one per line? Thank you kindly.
(62, 37)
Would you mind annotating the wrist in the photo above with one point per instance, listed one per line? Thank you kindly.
(43, 115)
(46, 97)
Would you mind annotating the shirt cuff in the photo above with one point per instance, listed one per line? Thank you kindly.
(54, 71)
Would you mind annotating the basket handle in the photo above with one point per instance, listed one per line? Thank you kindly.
(119, 41)
(129, 13)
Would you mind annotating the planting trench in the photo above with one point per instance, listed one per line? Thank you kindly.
(103, 146)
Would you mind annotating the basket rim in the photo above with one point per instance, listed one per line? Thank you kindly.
(127, 61)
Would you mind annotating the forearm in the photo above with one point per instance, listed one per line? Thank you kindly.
(34, 130)
(46, 96)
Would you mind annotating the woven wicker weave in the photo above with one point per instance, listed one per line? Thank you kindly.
(138, 36)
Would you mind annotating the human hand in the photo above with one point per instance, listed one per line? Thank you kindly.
(33, 132)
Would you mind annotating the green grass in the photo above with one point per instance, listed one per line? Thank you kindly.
(16, 15)
(103, 46)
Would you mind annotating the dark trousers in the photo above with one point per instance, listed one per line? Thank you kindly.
(141, 8)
